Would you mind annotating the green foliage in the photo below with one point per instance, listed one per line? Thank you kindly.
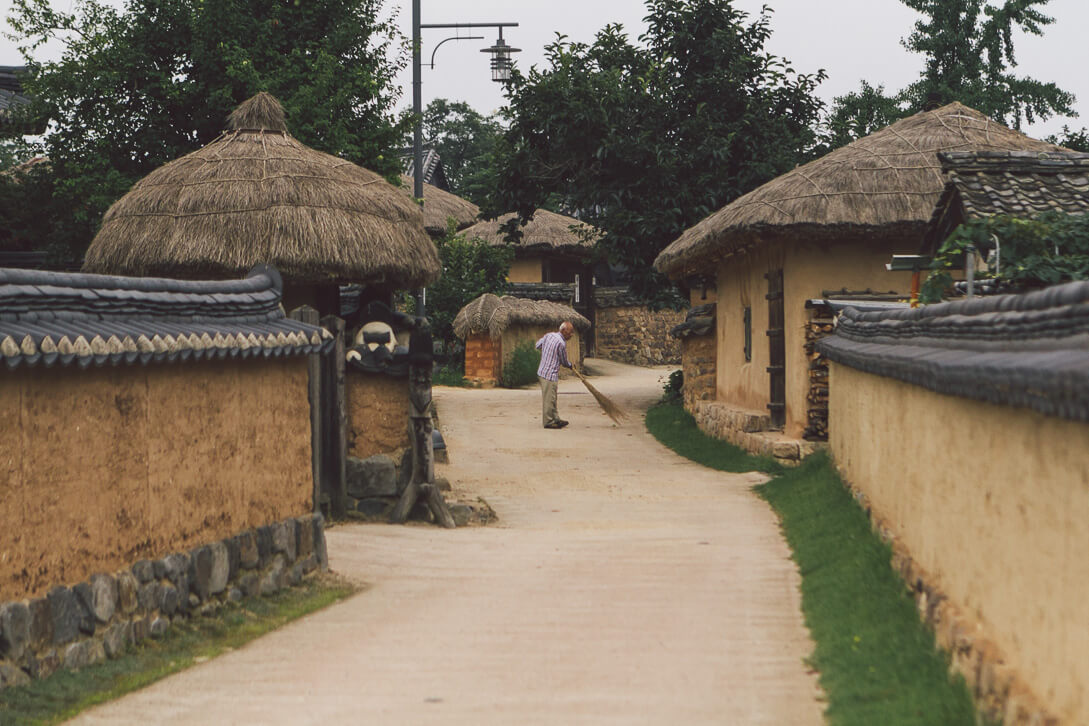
(675, 427)
(1071, 139)
(470, 268)
(644, 140)
(968, 54)
(137, 87)
(520, 369)
(465, 140)
(878, 663)
(674, 386)
(1045, 250)
(451, 374)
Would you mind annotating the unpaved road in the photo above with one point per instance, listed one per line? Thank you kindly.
(623, 585)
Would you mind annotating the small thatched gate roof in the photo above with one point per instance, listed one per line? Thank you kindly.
(493, 314)
(257, 195)
(887, 182)
(440, 205)
(545, 231)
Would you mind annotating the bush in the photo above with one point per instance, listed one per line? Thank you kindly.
(451, 374)
(673, 387)
(521, 368)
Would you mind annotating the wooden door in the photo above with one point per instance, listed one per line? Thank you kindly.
(776, 348)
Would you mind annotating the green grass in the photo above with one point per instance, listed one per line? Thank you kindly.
(675, 427)
(66, 693)
(877, 661)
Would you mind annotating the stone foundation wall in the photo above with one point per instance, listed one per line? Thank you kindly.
(75, 626)
(749, 430)
(482, 358)
(637, 336)
(698, 362)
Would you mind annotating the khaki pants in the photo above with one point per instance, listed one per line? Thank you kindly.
(548, 401)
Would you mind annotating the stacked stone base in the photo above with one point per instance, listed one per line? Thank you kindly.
(698, 363)
(749, 430)
(1001, 696)
(74, 627)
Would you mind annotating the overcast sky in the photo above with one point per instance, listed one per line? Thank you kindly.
(850, 39)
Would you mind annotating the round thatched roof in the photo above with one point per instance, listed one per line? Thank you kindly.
(890, 179)
(493, 314)
(546, 230)
(440, 205)
(257, 195)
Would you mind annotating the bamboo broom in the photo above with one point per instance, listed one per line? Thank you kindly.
(611, 409)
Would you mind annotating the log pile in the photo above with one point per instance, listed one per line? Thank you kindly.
(820, 326)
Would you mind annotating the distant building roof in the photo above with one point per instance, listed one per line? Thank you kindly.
(1020, 183)
(57, 318)
(433, 171)
(561, 292)
(12, 96)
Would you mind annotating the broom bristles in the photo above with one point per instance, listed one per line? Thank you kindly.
(611, 409)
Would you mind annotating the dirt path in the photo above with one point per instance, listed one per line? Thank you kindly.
(623, 585)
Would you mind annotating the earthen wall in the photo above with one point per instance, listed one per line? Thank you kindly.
(377, 413)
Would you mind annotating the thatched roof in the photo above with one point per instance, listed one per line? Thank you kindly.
(493, 314)
(888, 181)
(257, 195)
(545, 231)
(440, 205)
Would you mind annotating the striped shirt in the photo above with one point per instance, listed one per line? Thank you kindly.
(553, 355)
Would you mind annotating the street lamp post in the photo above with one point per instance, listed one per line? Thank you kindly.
(500, 66)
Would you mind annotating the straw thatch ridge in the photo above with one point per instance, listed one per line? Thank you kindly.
(891, 177)
(257, 195)
(493, 314)
(545, 230)
(440, 205)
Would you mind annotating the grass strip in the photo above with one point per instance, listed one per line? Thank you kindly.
(675, 427)
(66, 693)
(877, 661)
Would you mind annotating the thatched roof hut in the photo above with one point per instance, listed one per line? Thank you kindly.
(440, 205)
(886, 182)
(255, 195)
(545, 231)
(493, 315)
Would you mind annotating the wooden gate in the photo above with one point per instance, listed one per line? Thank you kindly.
(776, 348)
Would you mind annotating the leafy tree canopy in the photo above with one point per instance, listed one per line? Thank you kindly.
(644, 140)
(465, 140)
(138, 87)
(968, 56)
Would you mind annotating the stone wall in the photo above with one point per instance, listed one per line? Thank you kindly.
(107, 465)
(73, 627)
(750, 430)
(698, 362)
(635, 335)
(482, 358)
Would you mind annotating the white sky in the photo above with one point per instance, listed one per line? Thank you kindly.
(851, 39)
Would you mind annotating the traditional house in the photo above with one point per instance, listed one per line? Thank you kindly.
(440, 206)
(982, 184)
(492, 327)
(257, 195)
(823, 231)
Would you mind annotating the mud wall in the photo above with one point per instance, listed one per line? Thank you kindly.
(992, 503)
(377, 413)
(106, 466)
(636, 335)
(526, 269)
(518, 334)
(699, 370)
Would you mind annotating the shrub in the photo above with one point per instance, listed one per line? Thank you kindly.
(451, 374)
(673, 387)
(521, 368)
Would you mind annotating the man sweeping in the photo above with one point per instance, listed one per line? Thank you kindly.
(553, 347)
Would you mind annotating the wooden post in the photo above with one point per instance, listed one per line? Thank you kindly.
(307, 314)
(422, 482)
(335, 420)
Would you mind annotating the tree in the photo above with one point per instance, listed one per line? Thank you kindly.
(645, 140)
(136, 88)
(1071, 139)
(968, 54)
(465, 141)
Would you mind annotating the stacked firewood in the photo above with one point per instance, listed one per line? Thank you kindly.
(817, 397)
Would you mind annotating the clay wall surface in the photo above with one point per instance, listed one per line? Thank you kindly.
(699, 370)
(377, 413)
(482, 358)
(526, 269)
(637, 336)
(992, 503)
(105, 466)
(808, 269)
